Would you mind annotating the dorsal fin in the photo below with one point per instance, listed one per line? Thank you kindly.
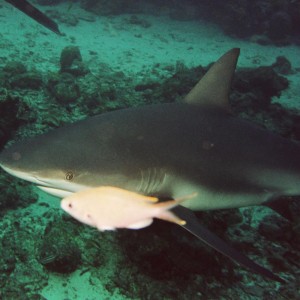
(214, 86)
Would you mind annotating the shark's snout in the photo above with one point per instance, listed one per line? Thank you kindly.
(24, 156)
(8, 159)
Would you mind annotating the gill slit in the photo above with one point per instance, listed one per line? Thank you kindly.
(152, 179)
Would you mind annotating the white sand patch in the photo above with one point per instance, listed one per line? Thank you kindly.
(81, 284)
(77, 286)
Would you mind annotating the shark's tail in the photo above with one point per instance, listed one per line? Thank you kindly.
(194, 227)
(35, 14)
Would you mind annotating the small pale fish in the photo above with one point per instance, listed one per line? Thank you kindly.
(109, 208)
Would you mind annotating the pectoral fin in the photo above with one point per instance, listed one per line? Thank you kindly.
(194, 227)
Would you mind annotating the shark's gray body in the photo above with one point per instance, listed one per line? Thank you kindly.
(167, 150)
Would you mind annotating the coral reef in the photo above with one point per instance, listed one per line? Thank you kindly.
(277, 21)
(106, 7)
(9, 122)
(15, 75)
(63, 88)
(58, 251)
(14, 194)
(22, 277)
(48, 2)
(162, 261)
(263, 21)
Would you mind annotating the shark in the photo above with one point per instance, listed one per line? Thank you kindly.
(35, 14)
(168, 151)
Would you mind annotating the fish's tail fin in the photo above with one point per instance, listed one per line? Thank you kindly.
(165, 213)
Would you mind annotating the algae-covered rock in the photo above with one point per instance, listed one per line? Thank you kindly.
(135, 20)
(15, 193)
(59, 251)
(15, 75)
(66, 93)
(116, 7)
(278, 20)
(184, 12)
(9, 122)
(282, 66)
(64, 88)
(280, 27)
(48, 2)
(69, 19)
(71, 61)
(28, 80)
(21, 275)
(263, 83)
(14, 68)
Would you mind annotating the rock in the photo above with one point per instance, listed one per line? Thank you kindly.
(282, 66)
(28, 80)
(64, 88)
(275, 228)
(69, 19)
(262, 83)
(15, 193)
(184, 12)
(280, 26)
(116, 7)
(58, 251)
(8, 116)
(14, 68)
(48, 2)
(146, 86)
(260, 39)
(135, 20)
(71, 61)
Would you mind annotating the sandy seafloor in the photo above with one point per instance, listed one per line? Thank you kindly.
(131, 49)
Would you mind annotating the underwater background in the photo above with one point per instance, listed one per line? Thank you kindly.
(117, 54)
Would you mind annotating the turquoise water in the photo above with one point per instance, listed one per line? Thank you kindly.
(119, 54)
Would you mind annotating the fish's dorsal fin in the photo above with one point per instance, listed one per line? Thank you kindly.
(214, 86)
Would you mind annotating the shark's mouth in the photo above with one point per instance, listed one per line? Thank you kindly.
(53, 187)
(22, 175)
(55, 192)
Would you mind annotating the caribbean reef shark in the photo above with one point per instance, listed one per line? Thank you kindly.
(169, 151)
(35, 14)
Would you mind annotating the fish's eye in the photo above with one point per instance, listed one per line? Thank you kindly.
(69, 175)
(70, 205)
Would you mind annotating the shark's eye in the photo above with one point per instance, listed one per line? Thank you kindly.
(69, 176)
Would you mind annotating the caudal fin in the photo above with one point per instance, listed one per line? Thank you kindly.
(165, 213)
